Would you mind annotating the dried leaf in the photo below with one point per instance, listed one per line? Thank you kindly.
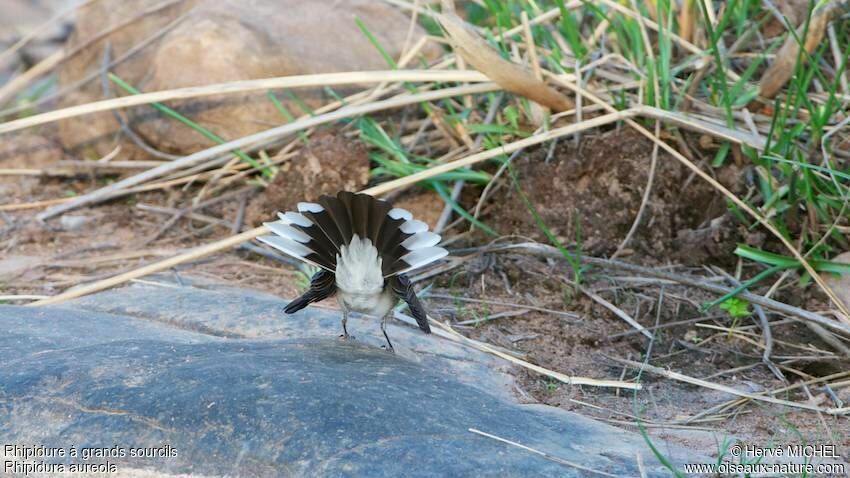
(510, 76)
(775, 77)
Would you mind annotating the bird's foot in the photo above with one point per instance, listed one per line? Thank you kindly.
(389, 348)
(346, 337)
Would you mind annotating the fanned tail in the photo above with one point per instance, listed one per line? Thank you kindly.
(317, 232)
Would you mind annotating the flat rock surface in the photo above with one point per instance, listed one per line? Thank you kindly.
(221, 383)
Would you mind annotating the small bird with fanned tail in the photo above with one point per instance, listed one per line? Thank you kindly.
(363, 247)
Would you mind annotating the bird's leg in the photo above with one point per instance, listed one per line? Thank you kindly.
(344, 322)
(384, 320)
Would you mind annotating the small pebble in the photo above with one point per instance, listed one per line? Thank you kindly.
(73, 223)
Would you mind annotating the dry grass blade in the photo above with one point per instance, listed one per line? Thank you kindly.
(723, 388)
(32, 205)
(223, 244)
(541, 453)
(687, 19)
(16, 84)
(653, 25)
(267, 135)
(695, 124)
(536, 368)
(22, 172)
(544, 17)
(506, 149)
(514, 78)
(323, 79)
(22, 297)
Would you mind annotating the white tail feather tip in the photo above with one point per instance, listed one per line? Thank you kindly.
(420, 240)
(287, 231)
(421, 257)
(287, 246)
(310, 207)
(413, 226)
(399, 213)
(296, 218)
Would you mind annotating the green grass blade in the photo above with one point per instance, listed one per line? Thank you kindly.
(374, 41)
(286, 114)
(744, 285)
(447, 197)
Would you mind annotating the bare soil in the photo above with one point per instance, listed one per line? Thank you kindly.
(330, 163)
(597, 185)
(591, 193)
(596, 188)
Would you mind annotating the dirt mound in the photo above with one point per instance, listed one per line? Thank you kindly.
(330, 163)
(593, 192)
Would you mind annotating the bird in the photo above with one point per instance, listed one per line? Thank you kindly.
(364, 248)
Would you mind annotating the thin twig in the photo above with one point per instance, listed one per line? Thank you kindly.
(257, 139)
(488, 318)
(805, 315)
(35, 32)
(617, 311)
(568, 315)
(767, 336)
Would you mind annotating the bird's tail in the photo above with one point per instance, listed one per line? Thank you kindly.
(318, 231)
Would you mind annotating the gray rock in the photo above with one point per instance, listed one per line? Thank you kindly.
(235, 388)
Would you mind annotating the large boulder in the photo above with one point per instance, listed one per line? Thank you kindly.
(219, 382)
(200, 42)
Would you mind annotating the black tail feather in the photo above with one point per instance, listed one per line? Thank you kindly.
(339, 216)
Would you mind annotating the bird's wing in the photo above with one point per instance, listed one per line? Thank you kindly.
(322, 286)
(403, 289)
